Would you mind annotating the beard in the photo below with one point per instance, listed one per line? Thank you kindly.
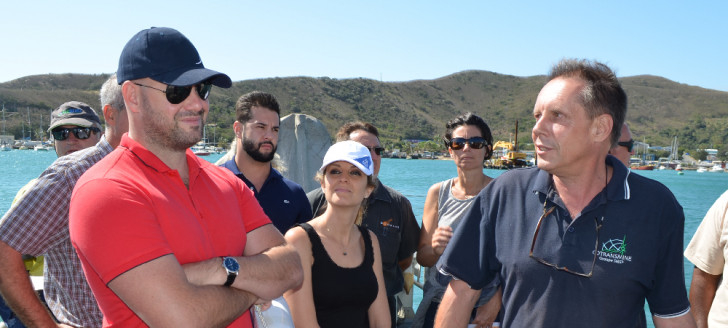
(253, 151)
(167, 133)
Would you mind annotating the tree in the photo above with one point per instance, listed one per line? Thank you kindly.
(701, 155)
(429, 145)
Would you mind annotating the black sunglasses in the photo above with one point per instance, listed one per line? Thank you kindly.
(176, 95)
(459, 143)
(376, 150)
(61, 133)
(629, 144)
(546, 213)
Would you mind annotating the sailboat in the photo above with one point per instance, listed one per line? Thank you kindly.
(643, 156)
(3, 145)
(673, 152)
(43, 145)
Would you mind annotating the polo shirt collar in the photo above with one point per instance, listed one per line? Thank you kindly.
(380, 193)
(230, 165)
(152, 161)
(233, 167)
(617, 188)
(104, 144)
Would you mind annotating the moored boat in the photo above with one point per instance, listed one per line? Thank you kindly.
(41, 147)
(648, 167)
(200, 151)
(717, 168)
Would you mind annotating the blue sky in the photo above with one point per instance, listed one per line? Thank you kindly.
(684, 41)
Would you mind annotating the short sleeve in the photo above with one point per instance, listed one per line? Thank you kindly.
(668, 295)
(470, 255)
(39, 215)
(304, 208)
(253, 215)
(113, 226)
(410, 230)
(705, 250)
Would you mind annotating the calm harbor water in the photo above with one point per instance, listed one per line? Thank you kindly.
(696, 192)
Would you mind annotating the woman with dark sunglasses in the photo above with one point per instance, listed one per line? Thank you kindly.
(469, 143)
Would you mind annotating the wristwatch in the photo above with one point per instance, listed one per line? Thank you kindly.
(231, 266)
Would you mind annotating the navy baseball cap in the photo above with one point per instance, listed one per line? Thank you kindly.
(165, 55)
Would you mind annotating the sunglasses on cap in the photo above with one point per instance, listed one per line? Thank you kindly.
(61, 133)
(176, 95)
(628, 144)
(459, 143)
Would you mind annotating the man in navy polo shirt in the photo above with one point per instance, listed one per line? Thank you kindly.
(256, 131)
(578, 241)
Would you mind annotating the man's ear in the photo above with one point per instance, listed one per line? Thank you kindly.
(602, 127)
(131, 95)
(238, 129)
(109, 114)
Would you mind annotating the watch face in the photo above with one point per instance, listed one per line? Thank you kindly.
(231, 264)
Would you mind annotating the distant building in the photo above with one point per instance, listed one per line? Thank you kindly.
(7, 139)
(712, 154)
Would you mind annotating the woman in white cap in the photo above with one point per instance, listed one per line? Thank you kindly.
(343, 284)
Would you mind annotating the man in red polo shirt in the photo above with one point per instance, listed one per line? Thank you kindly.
(165, 238)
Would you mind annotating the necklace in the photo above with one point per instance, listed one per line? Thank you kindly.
(343, 246)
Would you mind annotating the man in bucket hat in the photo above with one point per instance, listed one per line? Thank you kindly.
(164, 237)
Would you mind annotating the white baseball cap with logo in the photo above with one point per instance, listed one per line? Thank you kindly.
(352, 152)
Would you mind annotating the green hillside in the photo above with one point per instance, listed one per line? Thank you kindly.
(658, 108)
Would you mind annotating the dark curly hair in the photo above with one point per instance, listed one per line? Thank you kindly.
(249, 100)
(470, 119)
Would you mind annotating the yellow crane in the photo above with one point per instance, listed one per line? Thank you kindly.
(506, 154)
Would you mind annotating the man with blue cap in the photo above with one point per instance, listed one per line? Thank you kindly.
(164, 237)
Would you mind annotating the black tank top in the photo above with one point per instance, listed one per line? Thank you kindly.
(342, 296)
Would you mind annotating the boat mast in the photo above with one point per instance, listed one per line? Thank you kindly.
(30, 126)
(674, 149)
(515, 141)
(3, 118)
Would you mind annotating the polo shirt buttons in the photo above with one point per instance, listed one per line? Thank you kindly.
(571, 229)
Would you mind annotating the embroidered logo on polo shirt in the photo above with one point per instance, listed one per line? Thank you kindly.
(388, 224)
(388, 227)
(614, 251)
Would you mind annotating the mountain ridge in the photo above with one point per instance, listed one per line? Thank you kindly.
(658, 107)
